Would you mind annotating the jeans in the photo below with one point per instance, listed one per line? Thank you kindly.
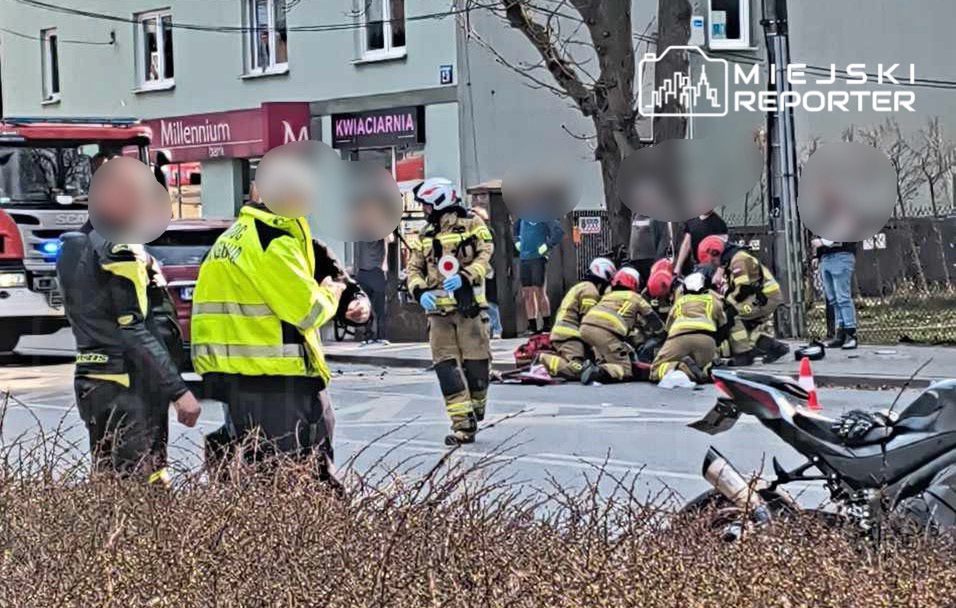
(495, 315)
(375, 285)
(836, 270)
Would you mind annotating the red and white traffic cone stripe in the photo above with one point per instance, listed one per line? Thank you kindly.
(806, 381)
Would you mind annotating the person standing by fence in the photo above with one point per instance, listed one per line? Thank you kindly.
(534, 240)
(837, 262)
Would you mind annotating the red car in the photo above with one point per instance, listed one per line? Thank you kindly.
(181, 250)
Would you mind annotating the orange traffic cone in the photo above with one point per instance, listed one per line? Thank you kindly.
(806, 381)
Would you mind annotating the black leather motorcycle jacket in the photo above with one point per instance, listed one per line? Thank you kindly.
(116, 303)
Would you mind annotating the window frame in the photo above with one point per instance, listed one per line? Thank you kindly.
(47, 63)
(252, 56)
(162, 82)
(730, 44)
(388, 51)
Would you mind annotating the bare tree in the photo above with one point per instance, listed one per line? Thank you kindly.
(587, 55)
(905, 159)
(936, 157)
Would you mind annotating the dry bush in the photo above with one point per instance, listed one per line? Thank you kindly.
(455, 534)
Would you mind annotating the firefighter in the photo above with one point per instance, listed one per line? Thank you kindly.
(570, 351)
(127, 344)
(693, 325)
(752, 296)
(446, 275)
(259, 303)
(659, 287)
(621, 321)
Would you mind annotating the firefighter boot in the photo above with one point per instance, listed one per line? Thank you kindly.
(695, 372)
(772, 349)
(463, 430)
(741, 359)
(592, 373)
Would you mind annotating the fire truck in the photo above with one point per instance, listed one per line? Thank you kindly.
(46, 166)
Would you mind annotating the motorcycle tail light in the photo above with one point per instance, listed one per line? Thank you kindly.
(722, 389)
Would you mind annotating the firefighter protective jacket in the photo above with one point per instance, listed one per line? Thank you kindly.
(113, 296)
(576, 303)
(625, 314)
(458, 233)
(749, 283)
(696, 313)
(257, 306)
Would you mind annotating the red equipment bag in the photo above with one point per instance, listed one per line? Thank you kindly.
(537, 343)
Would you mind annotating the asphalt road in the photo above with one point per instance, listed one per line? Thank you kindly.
(562, 432)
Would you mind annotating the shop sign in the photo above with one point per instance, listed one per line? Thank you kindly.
(234, 134)
(379, 128)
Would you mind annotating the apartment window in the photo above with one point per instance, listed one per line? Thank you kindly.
(729, 24)
(50, 64)
(154, 49)
(268, 37)
(384, 28)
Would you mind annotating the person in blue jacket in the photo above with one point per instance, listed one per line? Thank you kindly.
(534, 240)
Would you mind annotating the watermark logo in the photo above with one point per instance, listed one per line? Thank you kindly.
(703, 94)
(715, 87)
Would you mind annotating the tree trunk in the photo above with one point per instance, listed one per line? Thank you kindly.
(608, 153)
(673, 29)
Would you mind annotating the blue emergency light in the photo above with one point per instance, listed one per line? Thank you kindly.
(49, 249)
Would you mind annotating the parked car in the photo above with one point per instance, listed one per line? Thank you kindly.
(180, 251)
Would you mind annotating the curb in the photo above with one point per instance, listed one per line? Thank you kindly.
(849, 381)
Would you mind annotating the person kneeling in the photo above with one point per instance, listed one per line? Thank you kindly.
(620, 319)
(692, 327)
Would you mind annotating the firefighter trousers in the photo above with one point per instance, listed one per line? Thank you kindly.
(461, 352)
(751, 323)
(568, 359)
(611, 353)
(693, 354)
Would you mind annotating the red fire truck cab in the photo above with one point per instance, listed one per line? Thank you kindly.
(46, 165)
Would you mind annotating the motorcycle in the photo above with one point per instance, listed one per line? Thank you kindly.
(905, 469)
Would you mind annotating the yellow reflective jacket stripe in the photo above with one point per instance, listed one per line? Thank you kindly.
(610, 318)
(245, 295)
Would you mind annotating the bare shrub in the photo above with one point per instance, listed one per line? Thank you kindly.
(422, 533)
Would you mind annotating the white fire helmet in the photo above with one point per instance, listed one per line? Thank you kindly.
(438, 192)
(602, 268)
(695, 282)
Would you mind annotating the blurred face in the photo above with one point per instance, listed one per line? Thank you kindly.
(127, 204)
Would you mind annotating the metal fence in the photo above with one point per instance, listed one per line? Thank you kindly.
(904, 284)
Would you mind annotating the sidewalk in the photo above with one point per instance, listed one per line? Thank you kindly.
(866, 367)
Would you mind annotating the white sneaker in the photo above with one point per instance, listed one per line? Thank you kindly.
(676, 379)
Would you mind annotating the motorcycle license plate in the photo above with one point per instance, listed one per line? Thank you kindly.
(186, 294)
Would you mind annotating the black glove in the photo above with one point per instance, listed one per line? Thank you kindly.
(855, 425)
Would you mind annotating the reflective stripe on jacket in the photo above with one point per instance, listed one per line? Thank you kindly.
(696, 313)
(576, 303)
(746, 275)
(257, 307)
(462, 235)
(619, 312)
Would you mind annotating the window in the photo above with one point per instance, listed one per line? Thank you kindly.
(268, 37)
(154, 49)
(50, 64)
(384, 28)
(729, 24)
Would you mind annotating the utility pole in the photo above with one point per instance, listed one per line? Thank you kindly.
(786, 229)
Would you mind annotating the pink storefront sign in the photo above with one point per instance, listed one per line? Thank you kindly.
(234, 134)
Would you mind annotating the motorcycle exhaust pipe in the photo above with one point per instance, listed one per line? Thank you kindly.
(730, 483)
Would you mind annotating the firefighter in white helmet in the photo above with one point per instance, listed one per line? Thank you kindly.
(446, 275)
(571, 353)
